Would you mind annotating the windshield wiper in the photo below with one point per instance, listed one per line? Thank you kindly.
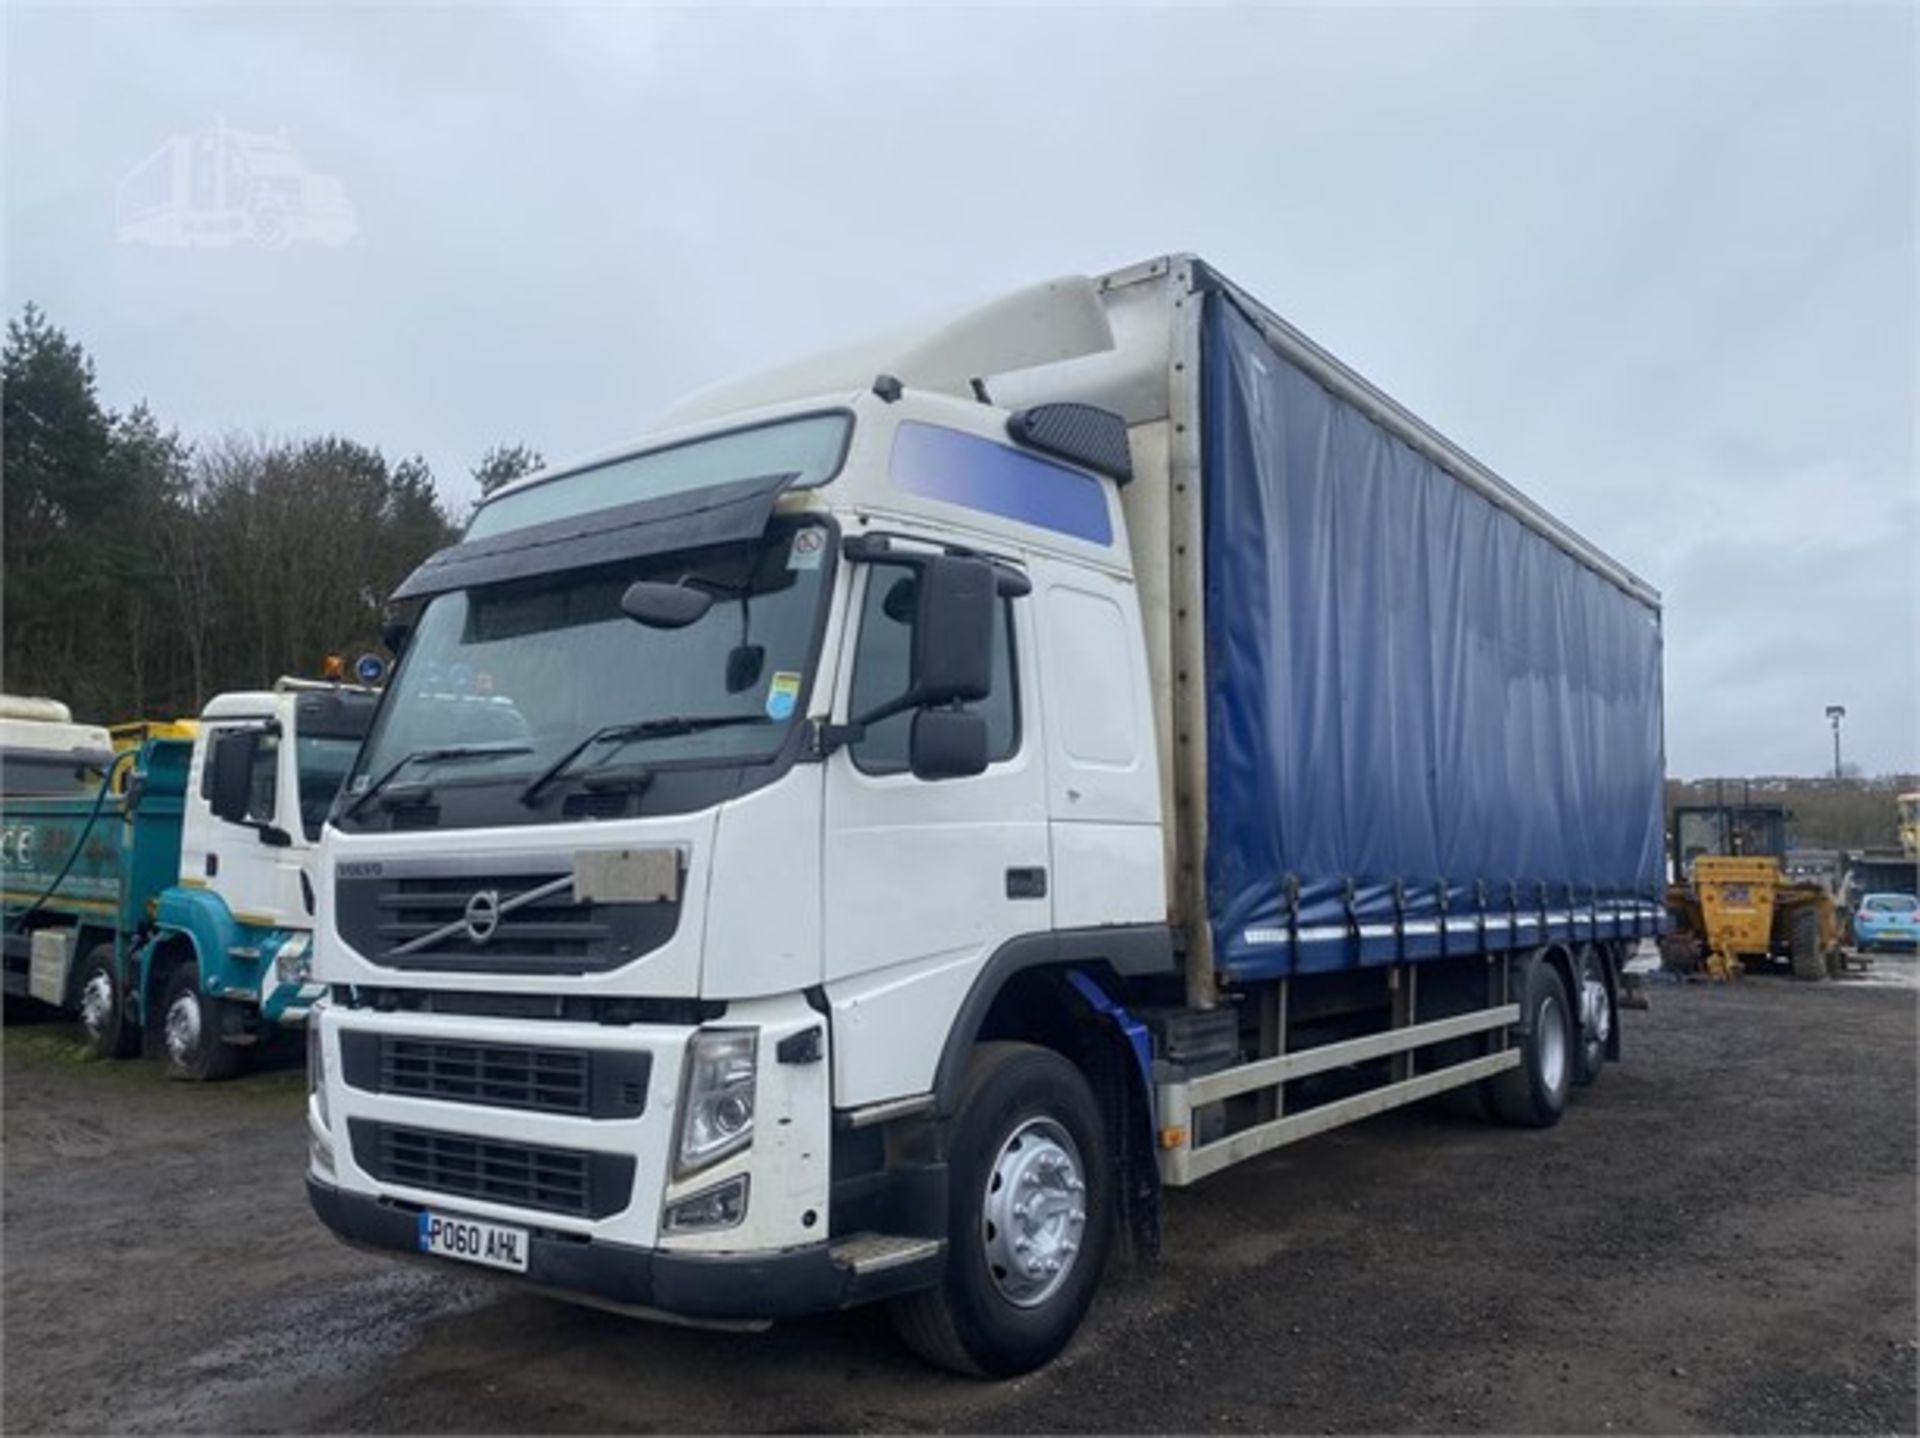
(637, 729)
(429, 756)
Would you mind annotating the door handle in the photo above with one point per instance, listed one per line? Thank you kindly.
(1027, 883)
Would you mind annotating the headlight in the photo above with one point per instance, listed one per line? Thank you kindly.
(716, 1097)
(317, 1064)
(293, 963)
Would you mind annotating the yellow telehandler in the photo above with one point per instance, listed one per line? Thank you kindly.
(1732, 902)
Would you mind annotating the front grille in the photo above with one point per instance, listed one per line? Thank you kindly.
(517, 1175)
(587, 1083)
(550, 927)
(409, 914)
(551, 1080)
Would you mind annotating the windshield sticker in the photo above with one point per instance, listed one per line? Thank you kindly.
(808, 545)
(782, 694)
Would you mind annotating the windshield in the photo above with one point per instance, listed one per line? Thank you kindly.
(535, 666)
(23, 772)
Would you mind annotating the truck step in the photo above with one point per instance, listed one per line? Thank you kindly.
(876, 1252)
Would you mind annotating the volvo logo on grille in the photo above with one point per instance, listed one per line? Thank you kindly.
(483, 915)
(480, 918)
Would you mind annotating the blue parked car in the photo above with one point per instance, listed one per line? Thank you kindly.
(1887, 921)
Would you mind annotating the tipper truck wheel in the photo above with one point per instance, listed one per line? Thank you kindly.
(190, 1026)
(1803, 945)
(104, 1026)
(1030, 1205)
(1534, 1095)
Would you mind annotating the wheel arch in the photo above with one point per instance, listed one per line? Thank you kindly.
(190, 925)
(1055, 991)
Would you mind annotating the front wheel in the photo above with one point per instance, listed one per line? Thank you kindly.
(104, 1026)
(1534, 1095)
(1030, 1204)
(190, 1024)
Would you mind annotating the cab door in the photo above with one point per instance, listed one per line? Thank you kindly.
(924, 879)
(256, 874)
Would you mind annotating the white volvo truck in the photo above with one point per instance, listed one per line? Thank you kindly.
(868, 837)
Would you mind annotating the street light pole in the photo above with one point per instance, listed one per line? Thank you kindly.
(1835, 713)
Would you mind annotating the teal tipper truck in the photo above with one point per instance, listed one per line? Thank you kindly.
(168, 905)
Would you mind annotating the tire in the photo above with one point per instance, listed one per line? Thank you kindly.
(1803, 944)
(104, 1026)
(1534, 1095)
(1596, 1003)
(189, 1031)
(1027, 1119)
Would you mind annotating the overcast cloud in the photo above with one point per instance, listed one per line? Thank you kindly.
(1655, 266)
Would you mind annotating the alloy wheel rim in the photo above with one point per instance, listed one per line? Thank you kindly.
(1553, 1044)
(1599, 1009)
(1034, 1213)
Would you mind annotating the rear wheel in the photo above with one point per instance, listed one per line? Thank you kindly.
(1596, 1018)
(1030, 1204)
(190, 1029)
(104, 1025)
(1534, 1095)
(1803, 944)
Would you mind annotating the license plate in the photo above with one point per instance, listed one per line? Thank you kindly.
(494, 1245)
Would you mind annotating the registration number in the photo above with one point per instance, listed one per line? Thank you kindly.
(492, 1244)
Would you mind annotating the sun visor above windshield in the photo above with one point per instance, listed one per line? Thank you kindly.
(691, 519)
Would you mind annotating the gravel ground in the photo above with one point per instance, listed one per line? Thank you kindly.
(1720, 1236)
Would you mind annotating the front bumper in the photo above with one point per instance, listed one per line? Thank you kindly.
(714, 1287)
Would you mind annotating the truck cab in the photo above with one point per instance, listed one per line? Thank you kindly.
(44, 753)
(230, 956)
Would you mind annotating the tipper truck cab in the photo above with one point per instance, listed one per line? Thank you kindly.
(171, 908)
(865, 840)
(44, 753)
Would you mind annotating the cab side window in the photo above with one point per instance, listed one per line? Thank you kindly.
(882, 669)
(263, 785)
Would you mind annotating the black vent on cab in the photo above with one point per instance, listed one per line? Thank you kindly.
(601, 804)
(1083, 433)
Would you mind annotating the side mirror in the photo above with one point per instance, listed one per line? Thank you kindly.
(664, 606)
(956, 601)
(231, 784)
(394, 635)
(947, 744)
